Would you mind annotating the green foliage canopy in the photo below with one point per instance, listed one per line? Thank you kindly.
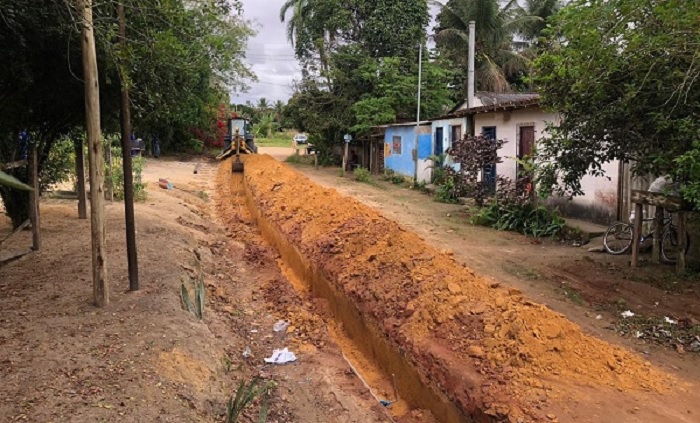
(624, 76)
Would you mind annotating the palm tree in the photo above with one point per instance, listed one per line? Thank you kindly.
(307, 30)
(542, 9)
(263, 105)
(279, 111)
(495, 59)
(296, 25)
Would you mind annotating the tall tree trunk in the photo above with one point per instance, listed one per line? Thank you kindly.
(126, 160)
(100, 285)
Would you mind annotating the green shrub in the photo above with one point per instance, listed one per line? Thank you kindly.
(446, 193)
(363, 175)
(245, 395)
(117, 179)
(527, 218)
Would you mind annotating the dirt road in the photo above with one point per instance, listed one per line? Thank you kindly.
(143, 358)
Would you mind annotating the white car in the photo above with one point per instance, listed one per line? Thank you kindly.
(300, 139)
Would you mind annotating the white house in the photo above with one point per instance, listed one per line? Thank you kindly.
(519, 120)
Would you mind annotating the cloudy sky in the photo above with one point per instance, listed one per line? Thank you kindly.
(270, 54)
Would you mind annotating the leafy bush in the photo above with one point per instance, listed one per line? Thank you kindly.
(362, 175)
(526, 218)
(472, 154)
(117, 178)
(60, 166)
(439, 168)
(446, 193)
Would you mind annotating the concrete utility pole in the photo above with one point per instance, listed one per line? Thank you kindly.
(126, 160)
(470, 79)
(100, 287)
(420, 76)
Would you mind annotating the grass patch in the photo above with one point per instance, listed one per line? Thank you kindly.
(279, 139)
(522, 272)
(299, 159)
(574, 296)
(362, 175)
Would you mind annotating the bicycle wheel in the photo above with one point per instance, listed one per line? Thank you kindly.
(669, 244)
(618, 238)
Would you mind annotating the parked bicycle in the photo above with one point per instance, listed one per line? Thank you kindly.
(618, 238)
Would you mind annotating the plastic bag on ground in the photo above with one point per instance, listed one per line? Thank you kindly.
(281, 357)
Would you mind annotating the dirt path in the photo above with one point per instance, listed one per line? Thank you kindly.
(143, 358)
(590, 289)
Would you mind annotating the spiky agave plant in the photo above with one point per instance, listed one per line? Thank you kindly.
(245, 395)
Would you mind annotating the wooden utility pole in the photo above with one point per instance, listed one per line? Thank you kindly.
(100, 286)
(80, 174)
(34, 197)
(126, 160)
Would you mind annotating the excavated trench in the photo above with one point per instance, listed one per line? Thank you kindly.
(370, 341)
(463, 348)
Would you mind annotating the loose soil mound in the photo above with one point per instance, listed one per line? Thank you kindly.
(487, 347)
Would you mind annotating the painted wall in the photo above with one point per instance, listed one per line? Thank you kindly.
(403, 163)
(446, 125)
(599, 202)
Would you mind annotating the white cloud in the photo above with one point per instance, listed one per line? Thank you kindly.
(269, 53)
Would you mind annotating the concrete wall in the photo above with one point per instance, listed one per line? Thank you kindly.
(403, 163)
(600, 199)
(446, 125)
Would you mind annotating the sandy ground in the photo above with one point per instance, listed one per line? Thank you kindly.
(588, 288)
(143, 358)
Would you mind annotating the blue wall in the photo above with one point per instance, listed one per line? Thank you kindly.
(403, 163)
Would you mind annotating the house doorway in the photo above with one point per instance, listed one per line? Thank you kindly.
(526, 147)
(489, 173)
(439, 147)
(526, 141)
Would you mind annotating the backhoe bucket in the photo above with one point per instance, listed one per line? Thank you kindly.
(238, 165)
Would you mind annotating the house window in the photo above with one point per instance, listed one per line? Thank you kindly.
(396, 145)
(456, 134)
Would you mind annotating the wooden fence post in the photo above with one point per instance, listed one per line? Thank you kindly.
(80, 174)
(34, 198)
(637, 233)
(658, 226)
(682, 243)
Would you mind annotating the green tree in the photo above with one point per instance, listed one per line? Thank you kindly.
(624, 76)
(531, 29)
(183, 59)
(497, 64)
(263, 105)
(278, 107)
(368, 55)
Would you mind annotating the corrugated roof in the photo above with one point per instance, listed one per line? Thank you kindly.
(493, 99)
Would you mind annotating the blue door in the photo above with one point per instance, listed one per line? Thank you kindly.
(489, 172)
(439, 148)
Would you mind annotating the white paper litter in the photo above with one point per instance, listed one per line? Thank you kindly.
(281, 357)
(280, 325)
(627, 314)
(670, 321)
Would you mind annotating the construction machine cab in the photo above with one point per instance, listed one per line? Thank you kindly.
(245, 133)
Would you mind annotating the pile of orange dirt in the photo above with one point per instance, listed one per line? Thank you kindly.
(485, 346)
